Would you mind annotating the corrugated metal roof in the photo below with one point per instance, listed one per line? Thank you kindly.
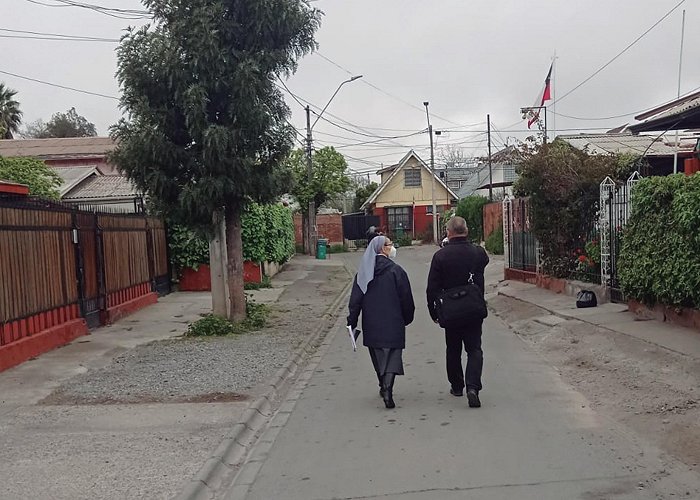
(72, 176)
(622, 143)
(103, 187)
(677, 110)
(69, 147)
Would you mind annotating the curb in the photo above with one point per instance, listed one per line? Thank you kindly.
(240, 438)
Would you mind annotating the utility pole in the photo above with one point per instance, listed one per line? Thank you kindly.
(311, 217)
(488, 130)
(432, 171)
(310, 244)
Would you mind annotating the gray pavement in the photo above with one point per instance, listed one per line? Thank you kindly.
(60, 450)
(534, 438)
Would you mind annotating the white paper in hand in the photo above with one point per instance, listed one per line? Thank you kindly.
(352, 338)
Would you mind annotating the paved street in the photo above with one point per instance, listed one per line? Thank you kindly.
(534, 438)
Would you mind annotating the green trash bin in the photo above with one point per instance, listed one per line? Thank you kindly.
(321, 248)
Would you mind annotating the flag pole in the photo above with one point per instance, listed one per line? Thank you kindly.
(553, 92)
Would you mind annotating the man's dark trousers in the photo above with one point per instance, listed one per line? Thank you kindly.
(470, 336)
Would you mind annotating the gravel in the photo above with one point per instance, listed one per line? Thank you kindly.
(181, 370)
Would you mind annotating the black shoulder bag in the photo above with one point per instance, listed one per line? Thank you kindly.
(461, 304)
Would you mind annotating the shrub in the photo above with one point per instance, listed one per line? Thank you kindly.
(212, 325)
(563, 184)
(187, 249)
(337, 248)
(41, 180)
(209, 326)
(494, 243)
(403, 241)
(265, 283)
(267, 234)
(661, 243)
(471, 210)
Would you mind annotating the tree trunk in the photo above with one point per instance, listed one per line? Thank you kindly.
(234, 250)
(218, 265)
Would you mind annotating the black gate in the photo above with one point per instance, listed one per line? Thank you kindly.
(355, 225)
(615, 210)
(520, 242)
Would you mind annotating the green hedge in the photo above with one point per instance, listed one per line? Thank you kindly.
(660, 252)
(267, 232)
(494, 243)
(471, 208)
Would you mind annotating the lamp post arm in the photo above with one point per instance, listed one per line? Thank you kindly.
(332, 97)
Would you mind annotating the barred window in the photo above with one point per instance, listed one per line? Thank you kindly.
(412, 177)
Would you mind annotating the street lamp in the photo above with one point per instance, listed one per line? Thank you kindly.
(432, 171)
(310, 240)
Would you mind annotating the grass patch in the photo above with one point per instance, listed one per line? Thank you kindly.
(265, 283)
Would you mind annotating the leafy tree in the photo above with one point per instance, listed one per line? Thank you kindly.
(42, 181)
(362, 194)
(206, 131)
(68, 124)
(563, 184)
(10, 114)
(471, 208)
(328, 176)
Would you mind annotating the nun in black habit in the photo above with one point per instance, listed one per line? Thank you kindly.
(382, 292)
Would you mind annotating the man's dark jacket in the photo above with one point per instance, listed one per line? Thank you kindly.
(451, 266)
(387, 307)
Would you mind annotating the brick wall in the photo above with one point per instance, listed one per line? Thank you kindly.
(493, 218)
(329, 226)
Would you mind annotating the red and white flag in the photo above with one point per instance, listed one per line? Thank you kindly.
(533, 115)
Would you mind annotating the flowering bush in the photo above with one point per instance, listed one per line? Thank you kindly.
(587, 261)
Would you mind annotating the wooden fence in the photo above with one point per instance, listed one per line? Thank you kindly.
(58, 264)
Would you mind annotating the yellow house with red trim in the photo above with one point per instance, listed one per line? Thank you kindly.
(404, 199)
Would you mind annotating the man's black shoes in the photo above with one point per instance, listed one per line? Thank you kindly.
(456, 392)
(473, 398)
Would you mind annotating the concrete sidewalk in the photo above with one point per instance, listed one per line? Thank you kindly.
(153, 448)
(613, 317)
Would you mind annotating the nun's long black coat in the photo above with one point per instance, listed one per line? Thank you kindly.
(387, 307)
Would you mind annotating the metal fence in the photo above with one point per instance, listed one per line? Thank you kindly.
(355, 225)
(519, 243)
(615, 210)
(58, 263)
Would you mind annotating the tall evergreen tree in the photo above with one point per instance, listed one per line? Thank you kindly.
(206, 131)
(10, 114)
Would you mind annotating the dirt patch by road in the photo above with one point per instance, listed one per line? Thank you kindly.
(653, 391)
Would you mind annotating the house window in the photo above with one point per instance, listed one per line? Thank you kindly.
(411, 177)
(399, 219)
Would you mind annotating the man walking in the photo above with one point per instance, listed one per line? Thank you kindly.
(452, 267)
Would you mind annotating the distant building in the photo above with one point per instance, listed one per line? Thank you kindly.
(64, 152)
(403, 201)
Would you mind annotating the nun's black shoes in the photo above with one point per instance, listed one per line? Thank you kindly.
(389, 399)
(388, 388)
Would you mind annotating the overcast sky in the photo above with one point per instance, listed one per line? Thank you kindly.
(467, 58)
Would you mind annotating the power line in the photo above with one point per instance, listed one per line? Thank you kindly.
(626, 114)
(364, 80)
(131, 14)
(52, 36)
(57, 39)
(622, 52)
(59, 86)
